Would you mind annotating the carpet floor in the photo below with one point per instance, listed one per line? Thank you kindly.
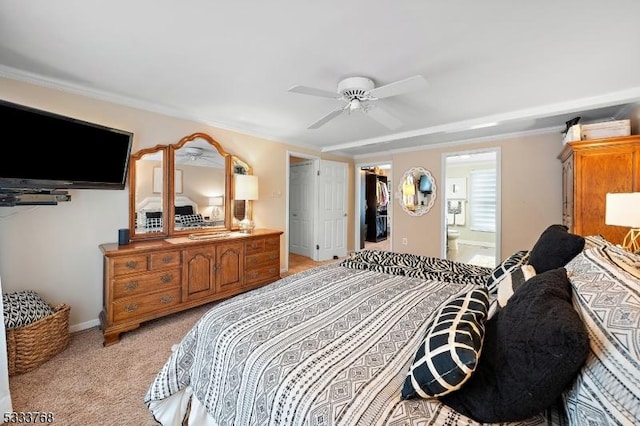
(88, 384)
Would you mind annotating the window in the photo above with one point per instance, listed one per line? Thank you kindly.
(482, 200)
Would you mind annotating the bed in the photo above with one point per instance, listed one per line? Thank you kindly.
(340, 344)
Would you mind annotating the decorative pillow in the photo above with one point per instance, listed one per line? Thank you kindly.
(533, 350)
(450, 349)
(513, 281)
(23, 308)
(555, 248)
(184, 210)
(191, 219)
(507, 266)
(606, 297)
(154, 222)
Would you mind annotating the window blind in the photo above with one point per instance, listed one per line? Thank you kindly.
(482, 200)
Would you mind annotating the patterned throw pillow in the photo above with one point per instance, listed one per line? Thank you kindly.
(501, 271)
(512, 282)
(191, 219)
(154, 222)
(451, 347)
(23, 308)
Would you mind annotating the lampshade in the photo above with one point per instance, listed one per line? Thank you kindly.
(623, 209)
(246, 187)
(216, 201)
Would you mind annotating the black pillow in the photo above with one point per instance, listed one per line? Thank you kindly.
(533, 349)
(184, 210)
(153, 215)
(555, 248)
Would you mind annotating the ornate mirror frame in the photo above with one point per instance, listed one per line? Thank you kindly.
(414, 198)
(163, 180)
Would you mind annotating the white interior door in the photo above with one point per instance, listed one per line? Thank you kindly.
(301, 208)
(332, 210)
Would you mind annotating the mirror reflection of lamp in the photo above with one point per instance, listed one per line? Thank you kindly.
(246, 189)
(216, 203)
(623, 209)
(454, 208)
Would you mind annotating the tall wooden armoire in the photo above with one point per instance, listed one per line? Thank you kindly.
(591, 169)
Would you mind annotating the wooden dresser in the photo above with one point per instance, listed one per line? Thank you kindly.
(590, 169)
(150, 279)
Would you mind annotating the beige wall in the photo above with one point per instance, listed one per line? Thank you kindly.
(54, 249)
(531, 185)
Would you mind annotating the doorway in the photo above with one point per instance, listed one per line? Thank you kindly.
(373, 215)
(316, 203)
(471, 208)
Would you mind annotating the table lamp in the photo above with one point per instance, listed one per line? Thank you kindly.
(246, 189)
(216, 202)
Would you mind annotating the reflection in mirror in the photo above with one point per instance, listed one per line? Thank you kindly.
(417, 191)
(199, 185)
(146, 198)
(238, 207)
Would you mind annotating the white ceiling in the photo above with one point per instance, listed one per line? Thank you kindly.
(530, 66)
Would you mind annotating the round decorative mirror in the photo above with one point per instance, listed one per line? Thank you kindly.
(417, 191)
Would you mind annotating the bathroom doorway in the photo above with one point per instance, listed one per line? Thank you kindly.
(471, 213)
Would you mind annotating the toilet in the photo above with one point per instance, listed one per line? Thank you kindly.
(452, 237)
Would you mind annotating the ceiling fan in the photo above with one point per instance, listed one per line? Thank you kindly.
(360, 94)
(198, 156)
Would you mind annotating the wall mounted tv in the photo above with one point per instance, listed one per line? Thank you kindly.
(57, 152)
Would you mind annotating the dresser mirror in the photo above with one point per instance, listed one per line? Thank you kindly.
(147, 202)
(238, 207)
(189, 182)
(417, 191)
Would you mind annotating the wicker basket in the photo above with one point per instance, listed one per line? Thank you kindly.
(32, 345)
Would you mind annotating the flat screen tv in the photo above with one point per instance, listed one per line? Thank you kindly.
(54, 152)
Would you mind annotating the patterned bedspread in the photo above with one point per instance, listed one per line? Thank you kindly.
(328, 346)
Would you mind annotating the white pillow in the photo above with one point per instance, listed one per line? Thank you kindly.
(513, 281)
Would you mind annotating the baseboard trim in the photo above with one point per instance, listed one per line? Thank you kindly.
(84, 325)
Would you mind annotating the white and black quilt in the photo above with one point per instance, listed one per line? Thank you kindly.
(328, 346)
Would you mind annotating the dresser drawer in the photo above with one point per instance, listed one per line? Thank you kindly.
(130, 308)
(272, 243)
(164, 260)
(262, 259)
(130, 264)
(146, 283)
(267, 273)
(254, 246)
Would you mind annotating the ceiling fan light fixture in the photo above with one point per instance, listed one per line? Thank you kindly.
(355, 104)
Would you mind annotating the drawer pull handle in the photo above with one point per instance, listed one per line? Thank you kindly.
(131, 307)
(132, 264)
(254, 245)
(272, 256)
(272, 270)
(166, 278)
(167, 259)
(254, 275)
(166, 299)
(254, 260)
(130, 286)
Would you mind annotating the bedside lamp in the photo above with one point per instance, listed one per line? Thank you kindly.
(246, 189)
(216, 202)
(623, 209)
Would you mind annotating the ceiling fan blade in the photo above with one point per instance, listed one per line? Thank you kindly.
(383, 117)
(392, 89)
(305, 90)
(333, 114)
